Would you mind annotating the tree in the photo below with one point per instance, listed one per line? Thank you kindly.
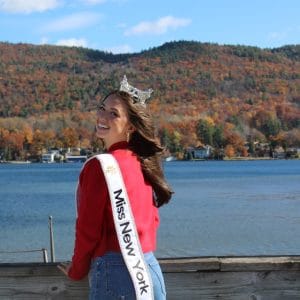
(271, 127)
(218, 136)
(11, 144)
(38, 144)
(165, 138)
(229, 151)
(69, 137)
(292, 138)
(49, 137)
(205, 131)
(15, 142)
(175, 142)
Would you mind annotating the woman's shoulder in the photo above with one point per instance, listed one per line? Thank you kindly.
(90, 162)
(124, 154)
(92, 165)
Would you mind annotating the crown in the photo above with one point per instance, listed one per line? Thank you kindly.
(137, 95)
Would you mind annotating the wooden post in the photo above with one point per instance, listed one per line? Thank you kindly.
(52, 249)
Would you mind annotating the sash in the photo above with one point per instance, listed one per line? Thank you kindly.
(126, 229)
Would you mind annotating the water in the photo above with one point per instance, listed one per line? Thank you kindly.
(219, 208)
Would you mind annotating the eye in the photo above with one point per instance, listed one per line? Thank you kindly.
(114, 114)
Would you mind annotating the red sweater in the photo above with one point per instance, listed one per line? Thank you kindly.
(95, 231)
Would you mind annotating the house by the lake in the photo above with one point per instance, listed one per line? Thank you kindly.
(201, 152)
(50, 156)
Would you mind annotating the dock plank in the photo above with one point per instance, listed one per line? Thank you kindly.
(228, 278)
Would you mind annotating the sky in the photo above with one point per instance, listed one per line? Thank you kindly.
(130, 26)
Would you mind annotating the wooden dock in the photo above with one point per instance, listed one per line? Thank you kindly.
(229, 278)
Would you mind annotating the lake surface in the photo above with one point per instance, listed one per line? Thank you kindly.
(219, 208)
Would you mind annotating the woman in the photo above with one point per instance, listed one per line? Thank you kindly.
(128, 134)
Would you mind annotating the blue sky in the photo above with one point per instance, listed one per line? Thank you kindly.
(122, 26)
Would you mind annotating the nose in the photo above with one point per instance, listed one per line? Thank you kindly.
(99, 118)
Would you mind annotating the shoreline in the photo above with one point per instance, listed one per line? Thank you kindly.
(197, 159)
(258, 158)
(15, 162)
(236, 159)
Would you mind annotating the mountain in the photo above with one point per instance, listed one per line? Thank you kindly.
(246, 93)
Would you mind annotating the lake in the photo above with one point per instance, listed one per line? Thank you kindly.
(219, 208)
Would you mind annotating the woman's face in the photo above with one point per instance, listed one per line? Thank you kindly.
(112, 121)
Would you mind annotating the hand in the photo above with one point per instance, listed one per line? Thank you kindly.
(65, 267)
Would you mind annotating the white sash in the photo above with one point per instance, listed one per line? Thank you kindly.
(126, 229)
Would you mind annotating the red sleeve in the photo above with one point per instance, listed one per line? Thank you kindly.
(92, 198)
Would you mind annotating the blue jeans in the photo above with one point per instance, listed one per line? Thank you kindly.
(110, 280)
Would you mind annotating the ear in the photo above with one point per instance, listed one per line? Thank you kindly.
(131, 129)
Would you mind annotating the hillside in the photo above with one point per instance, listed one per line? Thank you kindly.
(204, 93)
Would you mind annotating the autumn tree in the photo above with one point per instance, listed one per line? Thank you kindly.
(292, 137)
(69, 137)
(38, 144)
(229, 151)
(56, 89)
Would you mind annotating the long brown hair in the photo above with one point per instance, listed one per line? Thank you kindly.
(146, 146)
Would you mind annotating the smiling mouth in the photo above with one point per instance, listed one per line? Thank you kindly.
(100, 126)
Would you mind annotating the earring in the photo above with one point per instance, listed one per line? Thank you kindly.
(128, 136)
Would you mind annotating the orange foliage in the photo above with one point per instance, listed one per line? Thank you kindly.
(229, 151)
(53, 91)
(69, 137)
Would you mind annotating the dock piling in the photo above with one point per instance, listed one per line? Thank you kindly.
(52, 248)
(45, 255)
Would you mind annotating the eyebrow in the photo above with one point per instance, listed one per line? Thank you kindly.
(111, 108)
(114, 109)
(103, 104)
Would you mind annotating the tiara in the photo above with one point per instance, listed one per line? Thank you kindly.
(138, 95)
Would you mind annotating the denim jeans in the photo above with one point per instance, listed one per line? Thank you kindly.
(110, 280)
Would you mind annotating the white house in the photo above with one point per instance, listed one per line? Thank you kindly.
(50, 156)
(202, 152)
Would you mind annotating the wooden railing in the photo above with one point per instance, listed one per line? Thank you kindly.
(229, 278)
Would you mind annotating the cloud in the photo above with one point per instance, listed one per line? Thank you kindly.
(93, 2)
(283, 34)
(44, 41)
(279, 35)
(275, 36)
(158, 27)
(119, 49)
(74, 21)
(72, 42)
(28, 6)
